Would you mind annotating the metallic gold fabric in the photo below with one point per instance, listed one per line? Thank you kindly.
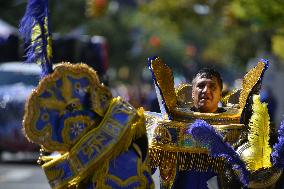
(250, 79)
(165, 82)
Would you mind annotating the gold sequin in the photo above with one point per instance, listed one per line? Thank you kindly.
(249, 81)
(165, 81)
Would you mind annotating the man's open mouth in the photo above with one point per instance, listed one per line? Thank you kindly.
(204, 98)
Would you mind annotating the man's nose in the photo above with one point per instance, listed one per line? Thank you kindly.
(206, 89)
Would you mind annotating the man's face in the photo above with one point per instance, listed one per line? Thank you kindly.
(206, 93)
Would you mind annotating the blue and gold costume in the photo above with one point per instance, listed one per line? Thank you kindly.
(189, 152)
(71, 112)
(101, 140)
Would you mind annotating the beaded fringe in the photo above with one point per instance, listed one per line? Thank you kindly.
(185, 160)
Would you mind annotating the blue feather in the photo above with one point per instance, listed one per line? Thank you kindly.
(278, 149)
(34, 28)
(206, 135)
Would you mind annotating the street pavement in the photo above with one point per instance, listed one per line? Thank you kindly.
(29, 176)
(24, 176)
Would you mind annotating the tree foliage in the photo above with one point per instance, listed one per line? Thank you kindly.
(12, 10)
(225, 33)
(185, 33)
(263, 19)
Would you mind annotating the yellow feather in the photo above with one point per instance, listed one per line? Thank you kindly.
(49, 40)
(258, 137)
(34, 38)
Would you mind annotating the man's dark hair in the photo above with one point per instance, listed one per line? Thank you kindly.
(209, 73)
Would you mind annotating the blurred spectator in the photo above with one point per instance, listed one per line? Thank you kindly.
(9, 42)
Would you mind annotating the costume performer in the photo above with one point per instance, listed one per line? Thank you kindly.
(192, 141)
(101, 140)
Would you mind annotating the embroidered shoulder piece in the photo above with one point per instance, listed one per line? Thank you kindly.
(66, 105)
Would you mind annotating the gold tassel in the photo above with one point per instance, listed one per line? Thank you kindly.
(258, 137)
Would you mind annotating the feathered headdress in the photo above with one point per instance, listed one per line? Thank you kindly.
(206, 135)
(34, 28)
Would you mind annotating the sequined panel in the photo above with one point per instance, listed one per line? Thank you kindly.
(165, 81)
(249, 80)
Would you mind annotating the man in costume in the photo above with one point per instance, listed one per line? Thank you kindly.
(206, 94)
(206, 91)
(193, 140)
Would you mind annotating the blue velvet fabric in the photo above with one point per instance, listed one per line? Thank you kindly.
(124, 173)
(192, 179)
(55, 117)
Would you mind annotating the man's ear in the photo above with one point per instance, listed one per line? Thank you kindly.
(192, 96)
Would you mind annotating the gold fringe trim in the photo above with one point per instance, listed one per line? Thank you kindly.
(185, 158)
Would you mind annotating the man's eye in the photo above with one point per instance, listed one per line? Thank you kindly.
(200, 86)
(213, 87)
